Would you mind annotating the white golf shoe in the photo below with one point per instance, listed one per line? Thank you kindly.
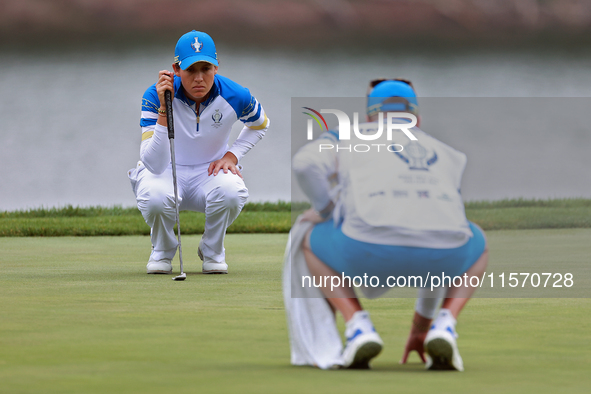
(210, 266)
(163, 266)
(363, 342)
(441, 349)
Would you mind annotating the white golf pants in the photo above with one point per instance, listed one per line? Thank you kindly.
(220, 197)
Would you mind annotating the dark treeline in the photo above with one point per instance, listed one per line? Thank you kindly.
(308, 23)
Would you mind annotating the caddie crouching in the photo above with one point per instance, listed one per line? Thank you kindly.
(397, 214)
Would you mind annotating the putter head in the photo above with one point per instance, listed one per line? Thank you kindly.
(182, 276)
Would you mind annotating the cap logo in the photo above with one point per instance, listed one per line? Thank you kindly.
(197, 45)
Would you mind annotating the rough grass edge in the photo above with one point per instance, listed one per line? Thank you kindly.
(517, 214)
(117, 210)
(279, 206)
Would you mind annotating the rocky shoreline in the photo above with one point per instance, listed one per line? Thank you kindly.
(301, 23)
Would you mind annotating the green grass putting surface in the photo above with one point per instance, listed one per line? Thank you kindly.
(79, 315)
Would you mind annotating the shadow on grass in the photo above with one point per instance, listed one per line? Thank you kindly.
(411, 367)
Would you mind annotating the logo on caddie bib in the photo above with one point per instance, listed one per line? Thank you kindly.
(417, 156)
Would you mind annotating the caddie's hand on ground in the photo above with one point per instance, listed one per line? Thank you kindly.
(227, 163)
(165, 82)
(414, 343)
(416, 338)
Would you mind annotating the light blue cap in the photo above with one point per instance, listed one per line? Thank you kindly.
(195, 46)
(392, 96)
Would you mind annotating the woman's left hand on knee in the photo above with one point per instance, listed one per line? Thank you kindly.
(226, 163)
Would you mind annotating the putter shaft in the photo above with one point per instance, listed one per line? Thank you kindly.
(170, 126)
(176, 203)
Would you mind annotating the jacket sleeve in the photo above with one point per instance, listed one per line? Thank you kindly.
(314, 169)
(155, 146)
(256, 124)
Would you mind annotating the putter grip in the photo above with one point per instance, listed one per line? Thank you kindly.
(169, 120)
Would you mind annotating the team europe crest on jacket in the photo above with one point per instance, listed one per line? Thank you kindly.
(217, 118)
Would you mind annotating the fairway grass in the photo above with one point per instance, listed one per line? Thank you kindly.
(79, 315)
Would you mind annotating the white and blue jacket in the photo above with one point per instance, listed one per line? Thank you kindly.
(201, 134)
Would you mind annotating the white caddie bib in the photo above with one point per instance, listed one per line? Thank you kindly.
(416, 188)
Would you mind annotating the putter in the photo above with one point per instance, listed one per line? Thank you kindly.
(170, 125)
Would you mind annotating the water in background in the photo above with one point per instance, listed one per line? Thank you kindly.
(70, 119)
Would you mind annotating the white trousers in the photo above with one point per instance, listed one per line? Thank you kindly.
(220, 197)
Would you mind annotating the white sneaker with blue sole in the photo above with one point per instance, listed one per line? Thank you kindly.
(363, 342)
(441, 349)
